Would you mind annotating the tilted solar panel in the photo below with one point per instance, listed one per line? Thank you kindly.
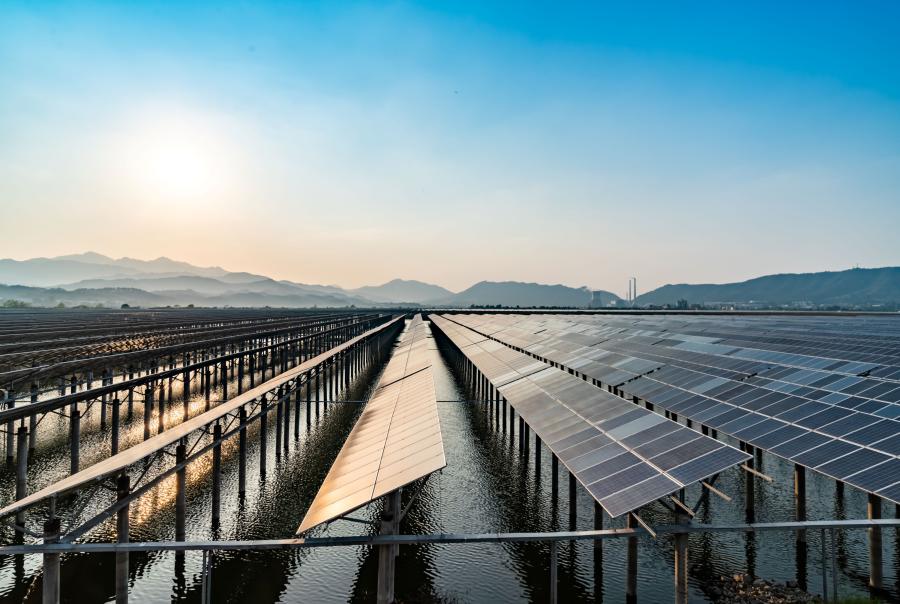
(396, 440)
(610, 445)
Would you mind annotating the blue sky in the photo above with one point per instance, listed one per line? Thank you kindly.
(352, 143)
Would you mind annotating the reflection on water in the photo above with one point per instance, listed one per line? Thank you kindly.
(487, 486)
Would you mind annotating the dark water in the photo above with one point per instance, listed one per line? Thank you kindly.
(486, 487)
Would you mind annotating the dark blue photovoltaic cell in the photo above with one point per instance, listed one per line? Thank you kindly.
(877, 477)
(849, 423)
(613, 483)
(822, 418)
(742, 423)
(875, 432)
(800, 444)
(825, 453)
(892, 492)
(702, 467)
(890, 445)
(849, 465)
(760, 429)
(632, 497)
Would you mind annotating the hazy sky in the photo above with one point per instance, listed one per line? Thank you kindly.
(354, 143)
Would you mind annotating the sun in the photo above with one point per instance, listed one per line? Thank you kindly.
(175, 159)
(178, 167)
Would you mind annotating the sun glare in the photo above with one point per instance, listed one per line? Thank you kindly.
(175, 159)
(178, 166)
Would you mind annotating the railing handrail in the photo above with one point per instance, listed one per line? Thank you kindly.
(442, 538)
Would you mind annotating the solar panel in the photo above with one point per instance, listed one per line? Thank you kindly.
(396, 440)
(784, 384)
(604, 441)
(114, 465)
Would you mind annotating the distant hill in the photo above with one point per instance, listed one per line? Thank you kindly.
(92, 278)
(43, 272)
(159, 265)
(858, 286)
(153, 283)
(514, 293)
(207, 286)
(116, 296)
(110, 297)
(402, 290)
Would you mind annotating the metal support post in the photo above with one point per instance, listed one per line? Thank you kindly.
(123, 489)
(873, 507)
(51, 563)
(242, 453)
(180, 498)
(21, 470)
(216, 475)
(631, 564)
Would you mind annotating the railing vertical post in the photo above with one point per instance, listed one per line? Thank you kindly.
(205, 596)
(123, 489)
(554, 546)
(631, 564)
(834, 574)
(386, 553)
(824, 569)
(51, 563)
(875, 571)
(598, 553)
(681, 563)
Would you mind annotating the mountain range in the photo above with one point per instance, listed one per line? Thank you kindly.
(94, 279)
(853, 287)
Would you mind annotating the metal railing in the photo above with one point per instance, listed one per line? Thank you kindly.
(827, 528)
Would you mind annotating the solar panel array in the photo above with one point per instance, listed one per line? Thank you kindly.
(122, 460)
(822, 392)
(624, 455)
(396, 440)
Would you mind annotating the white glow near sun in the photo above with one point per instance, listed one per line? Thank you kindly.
(177, 165)
(175, 158)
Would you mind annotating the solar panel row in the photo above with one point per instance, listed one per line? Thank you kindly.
(396, 440)
(624, 455)
(820, 392)
(122, 460)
